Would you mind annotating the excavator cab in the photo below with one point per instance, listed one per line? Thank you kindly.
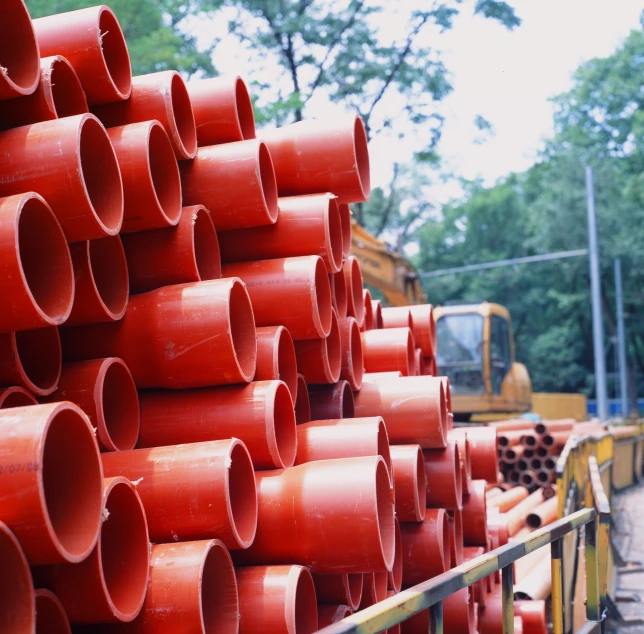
(476, 351)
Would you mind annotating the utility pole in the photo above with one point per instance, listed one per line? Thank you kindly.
(595, 287)
(621, 337)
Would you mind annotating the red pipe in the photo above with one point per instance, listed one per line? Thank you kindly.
(37, 280)
(50, 614)
(354, 286)
(32, 359)
(444, 479)
(320, 360)
(51, 481)
(543, 514)
(272, 286)
(418, 369)
(18, 612)
(16, 397)
(332, 401)
(394, 580)
(376, 308)
(222, 490)
(345, 217)
(59, 94)
(302, 402)
(198, 334)
(483, 451)
(151, 181)
(80, 178)
(417, 624)
(100, 271)
(276, 358)
(306, 225)
(374, 588)
(162, 96)
(322, 155)
(429, 366)
(464, 454)
(236, 181)
(329, 614)
(104, 389)
(455, 520)
(352, 354)
(508, 499)
(533, 614)
(342, 588)
(396, 317)
(389, 349)
(223, 110)
(410, 482)
(459, 615)
(424, 328)
(425, 545)
(339, 295)
(260, 414)
(19, 70)
(332, 515)
(368, 310)
(110, 585)
(491, 617)
(380, 376)
(92, 40)
(188, 252)
(414, 411)
(276, 600)
(475, 515)
(479, 588)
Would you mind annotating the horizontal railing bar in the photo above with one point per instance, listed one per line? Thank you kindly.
(600, 499)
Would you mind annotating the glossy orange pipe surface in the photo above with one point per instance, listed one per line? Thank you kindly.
(273, 285)
(92, 40)
(381, 376)
(417, 624)
(101, 275)
(410, 482)
(376, 309)
(413, 411)
(36, 276)
(80, 177)
(306, 225)
(506, 500)
(32, 359)
(479, 588)
(374, 588)
(235, 181)
(162, 96)
(354, 289)
(104, 389)
(389, 349)
(276, 600)
(543, 514)
(368, 323)
(475, 515)
(260, 414)
(109, 585)
(483, 451)
(341, 588)
(59, 94)
(222, 501)
(188, 252)
(425, 547)
(223, 110)
(424, 328)
(52, 482)
(320, 360)
(302, 402)
(352, 359)
(16, 397)
(464, 455)
(50, 614)
(151, 181)
(276, 357)
(339, 295)
(533, 614)
(332, 515)
(331, 401)
(394, 578)
(328, 614)
(455, 521)
(444, 481)
(458, 612)
(396, 317)
(345, 217)
(181, 336)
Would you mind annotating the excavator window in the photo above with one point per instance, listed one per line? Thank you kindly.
(460, 352)
(500, 360)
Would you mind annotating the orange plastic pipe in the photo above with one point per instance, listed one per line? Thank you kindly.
(491, 616)
(181, 336)
(352, 359)
(162, 96)
(396, 317)
(273, 286)
(394, 580)
(345, 216)
(320, 360)
(151, 181)
(354, 288)
(425, 547)
(345, 503)
(483, 451)
(430, 368)
(537, 584)
(276, 357)
(376, 308)
(322, 155)
(235, 181)
(459, 615)
(389, 349)
(32, 359)
(51, 487)
(424, 328)
(16, 397)
(419, 365)
(36, 276)
(374, 588)
(188, 252)
(410, 482)
(223, 110)
(475, 515)
(276, 600)
(303, 403)
(455, 519)
(329, 614)
(548, 426)
(92, 40)
(342, 588)
(543, 514)
(59, 94)
(414, 412)
(104, 389)
(306, 225)
(464, 455)
(260, 414)
(516, 516)
(533, 614)
(507, 499)
(417, 624)
(110, 585)
(381, 376)
(50, 614)
(331, 401)
(79, 178)
(222, 500)
(100, 271)
(339, 297)
(444, 479)
(479, 589)
(368, 323)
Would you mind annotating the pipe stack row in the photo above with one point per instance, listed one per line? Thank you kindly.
(191, 360)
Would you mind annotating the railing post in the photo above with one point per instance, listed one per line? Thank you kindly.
(507, 599)
(593, 610)
(436, 618)
(556, 553)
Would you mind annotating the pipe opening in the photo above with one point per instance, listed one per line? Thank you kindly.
(548, 440)
(109, 271)
(522, 464)
(51, 617)
(411, 357)
(243, 494)
(101, 174)
(354, 583)
(268, 182)
(335, 247)
(16, 397)
(510, 454)
(513, 476)
(543, 477)
(535, 463)
(287, 361)
(540, 428)
(16, 592)
(39, 355)
(340, 298)
(361, 150)
(348, 402)
(380, 580)
(333, 346)
(323, 296)
(206, 246)
(285, 426)
(219, 601)
(18, 47)
(67, 95)
(530, 441)
(368, 309)
(533, 520)
(124, 550)
(242, 329)
(377, 315)
(244, 108)
(302, 403)
(550, 463)
(385, 507)
(345, 219)
(164, 173)
(120, 406)
(184, 118)
(356, 354)
(115, 52)
(305, 608)
(526, 479)
(45, 260)
(72, 483)
(503, 441)
(542, 452)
